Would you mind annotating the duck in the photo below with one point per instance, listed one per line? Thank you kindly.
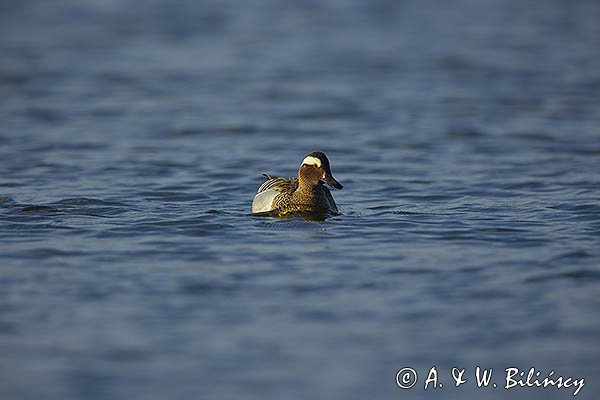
(305, 194)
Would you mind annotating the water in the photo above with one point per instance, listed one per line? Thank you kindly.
(132, 139)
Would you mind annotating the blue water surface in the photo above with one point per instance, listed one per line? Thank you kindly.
(133, 136)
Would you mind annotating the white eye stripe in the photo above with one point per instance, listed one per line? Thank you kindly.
(310, 160)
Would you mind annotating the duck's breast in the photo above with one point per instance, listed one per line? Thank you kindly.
(332, 207)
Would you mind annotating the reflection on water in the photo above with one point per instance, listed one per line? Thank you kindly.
(132, 141)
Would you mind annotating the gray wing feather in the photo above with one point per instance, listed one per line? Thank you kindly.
(278, 184)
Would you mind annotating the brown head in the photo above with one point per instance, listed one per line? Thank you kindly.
(315, 170)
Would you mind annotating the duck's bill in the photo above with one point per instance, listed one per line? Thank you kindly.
(330, 180)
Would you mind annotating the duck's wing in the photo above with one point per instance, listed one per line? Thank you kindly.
(269, 190)
(278, 184)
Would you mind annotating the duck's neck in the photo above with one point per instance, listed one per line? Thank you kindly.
(306, 186)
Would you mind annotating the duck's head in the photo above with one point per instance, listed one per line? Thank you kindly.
(315, 170)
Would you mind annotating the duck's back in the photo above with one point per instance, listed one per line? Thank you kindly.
(273, 193)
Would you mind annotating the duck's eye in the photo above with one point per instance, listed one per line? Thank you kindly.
(310, 160)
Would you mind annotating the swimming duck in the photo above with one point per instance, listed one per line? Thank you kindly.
(306, 193)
